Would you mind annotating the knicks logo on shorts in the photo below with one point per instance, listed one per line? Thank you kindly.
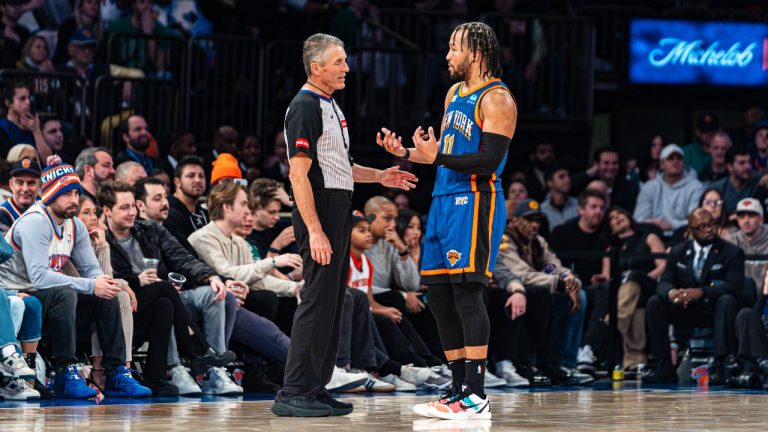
(453, 256)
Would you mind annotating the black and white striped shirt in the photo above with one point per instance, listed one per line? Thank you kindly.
(315, 126)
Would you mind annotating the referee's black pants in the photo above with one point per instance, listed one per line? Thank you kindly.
(317, 322)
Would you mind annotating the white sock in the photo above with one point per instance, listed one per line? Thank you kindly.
(8, 350)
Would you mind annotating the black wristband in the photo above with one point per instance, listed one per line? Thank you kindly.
(405, 252)
(518, 290)
(274, 250)
(406, 155)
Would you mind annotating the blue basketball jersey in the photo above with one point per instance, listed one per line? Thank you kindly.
(462, 131)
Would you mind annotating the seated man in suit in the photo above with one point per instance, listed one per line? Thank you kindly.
(699, 287)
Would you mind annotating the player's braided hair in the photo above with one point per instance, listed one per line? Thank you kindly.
(482, 39)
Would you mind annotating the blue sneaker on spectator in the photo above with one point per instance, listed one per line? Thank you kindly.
(68, 384)
(120, 384)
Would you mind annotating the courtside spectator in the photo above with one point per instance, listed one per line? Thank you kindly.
(225, 140)
(276, 165)
(90, 298)
(622, 189)
(752, 238)
(717, 169)
(639, 272)
(186, 213)
(181, 142)
(536, 275)
(699, 287)
(86, 212)
(741, 182)
(94, 165)
(272, 235)
(151, 199)
(132, 242)
(542, 159)
(225, 168)
(559, 207)
(20, 125)
(130, 172)
(134, 133)
(759, 147)
(712, 201)
(697, 154)
(579, 236)
(667, 200)
(25, 187)
(86, 14)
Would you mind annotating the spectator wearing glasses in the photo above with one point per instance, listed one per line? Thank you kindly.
(699, 287)
(712, 201)
(667, 200)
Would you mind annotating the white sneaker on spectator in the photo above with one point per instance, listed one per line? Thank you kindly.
(18, 389)
(492, 381)
(14, 366)
(217, 382)
(399, 383)
(507, 370)
(414, 375)
(377, 385)
(436, 382)
(343, 381)
(443, 370)
(181, 378)
(586, 359)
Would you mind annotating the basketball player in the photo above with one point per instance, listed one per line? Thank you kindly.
(467, 216)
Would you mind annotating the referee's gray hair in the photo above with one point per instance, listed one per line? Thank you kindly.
(316, 49)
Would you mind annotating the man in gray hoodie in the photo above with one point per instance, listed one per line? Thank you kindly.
(667, 200)
(752, 237)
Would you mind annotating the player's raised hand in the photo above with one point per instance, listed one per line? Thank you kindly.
(390, 142)
(426, 145)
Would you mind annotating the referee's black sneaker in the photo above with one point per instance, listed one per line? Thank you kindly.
(288, 405)
(338, 408)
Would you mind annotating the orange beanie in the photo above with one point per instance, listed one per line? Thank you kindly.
(225, 166)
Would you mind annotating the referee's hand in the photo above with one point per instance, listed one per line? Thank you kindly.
(320, 247)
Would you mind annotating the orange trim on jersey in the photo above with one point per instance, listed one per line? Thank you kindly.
(472, 90)
(473, 248)
(444, 271)
(490, 228)
(478, 121)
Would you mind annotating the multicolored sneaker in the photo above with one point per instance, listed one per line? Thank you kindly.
(451, 395)
(469, 407)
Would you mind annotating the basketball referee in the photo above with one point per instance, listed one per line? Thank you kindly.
(322, 176)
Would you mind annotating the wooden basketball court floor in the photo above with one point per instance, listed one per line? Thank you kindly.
(627, 407)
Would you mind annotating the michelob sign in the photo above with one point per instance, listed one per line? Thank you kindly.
(698, 53)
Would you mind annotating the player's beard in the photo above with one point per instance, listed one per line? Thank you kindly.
(460, 72)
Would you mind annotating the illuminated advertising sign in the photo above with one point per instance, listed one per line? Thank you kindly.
(698, 53)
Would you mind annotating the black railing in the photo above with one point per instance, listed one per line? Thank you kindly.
(61, 93)
(225, 84)
(159, 57)
(115, 99)
(611, 25)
